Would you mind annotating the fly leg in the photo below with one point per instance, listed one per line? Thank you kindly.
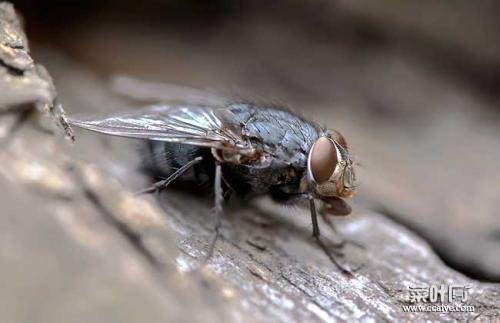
(332, 254)
(161, 185)
(219, 211)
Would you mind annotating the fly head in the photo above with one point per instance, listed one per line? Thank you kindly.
(330, 169)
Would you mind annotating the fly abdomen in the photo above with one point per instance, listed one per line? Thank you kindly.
(162, 159)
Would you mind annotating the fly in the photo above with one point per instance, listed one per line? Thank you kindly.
(243, 149)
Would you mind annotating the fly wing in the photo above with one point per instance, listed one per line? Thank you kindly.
(194, 125)
(164, 92)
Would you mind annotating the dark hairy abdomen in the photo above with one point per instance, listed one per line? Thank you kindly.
(162, 159)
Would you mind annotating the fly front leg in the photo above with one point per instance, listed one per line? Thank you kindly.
(161, 185)
(314, 218)
(331, 253)
(219, 211)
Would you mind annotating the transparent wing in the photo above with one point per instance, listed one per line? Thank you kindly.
(164, 92)
(194, 125)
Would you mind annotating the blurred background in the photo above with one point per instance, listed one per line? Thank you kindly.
(413, 86)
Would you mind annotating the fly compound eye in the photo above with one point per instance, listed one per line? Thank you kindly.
(323, 160)
(337, 136)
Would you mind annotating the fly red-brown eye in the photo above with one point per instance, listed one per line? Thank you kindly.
(323, 159)
(337, 136)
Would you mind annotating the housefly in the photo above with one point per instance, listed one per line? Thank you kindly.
(241, 148)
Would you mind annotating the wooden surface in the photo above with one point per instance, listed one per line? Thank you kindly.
(76, 245)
